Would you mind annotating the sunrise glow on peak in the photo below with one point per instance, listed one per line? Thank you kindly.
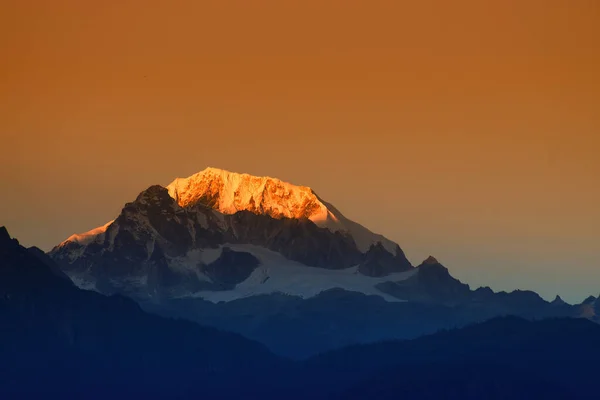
(87, 237)
(230, 192)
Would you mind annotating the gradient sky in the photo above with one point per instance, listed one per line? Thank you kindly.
(469, 130)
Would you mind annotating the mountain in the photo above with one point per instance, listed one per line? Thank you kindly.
(278, 264)
(590, 309)
(503, 358)
(56, 339)
(171, 241)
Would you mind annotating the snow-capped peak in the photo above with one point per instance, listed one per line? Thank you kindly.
(230, 192)
(87, 237)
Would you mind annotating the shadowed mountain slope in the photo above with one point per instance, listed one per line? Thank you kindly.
(58, 339)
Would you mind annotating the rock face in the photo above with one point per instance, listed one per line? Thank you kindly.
(163, 244)
(230, 268)
(379, 262)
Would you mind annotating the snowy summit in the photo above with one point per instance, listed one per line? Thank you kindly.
(230, 192)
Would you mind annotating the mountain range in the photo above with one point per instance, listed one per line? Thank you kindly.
(276, 263)
(62, 341)
(59, 339)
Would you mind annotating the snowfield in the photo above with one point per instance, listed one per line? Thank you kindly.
(276, 274)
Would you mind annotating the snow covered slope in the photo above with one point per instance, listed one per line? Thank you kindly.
(276, 274)
(89, 236)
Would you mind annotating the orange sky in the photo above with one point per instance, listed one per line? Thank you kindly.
(469, 130)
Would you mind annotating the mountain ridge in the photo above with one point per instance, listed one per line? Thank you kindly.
(101, 347)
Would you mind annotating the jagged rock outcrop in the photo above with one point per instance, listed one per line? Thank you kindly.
(232, 267)
(432, 283)
(379, 262)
